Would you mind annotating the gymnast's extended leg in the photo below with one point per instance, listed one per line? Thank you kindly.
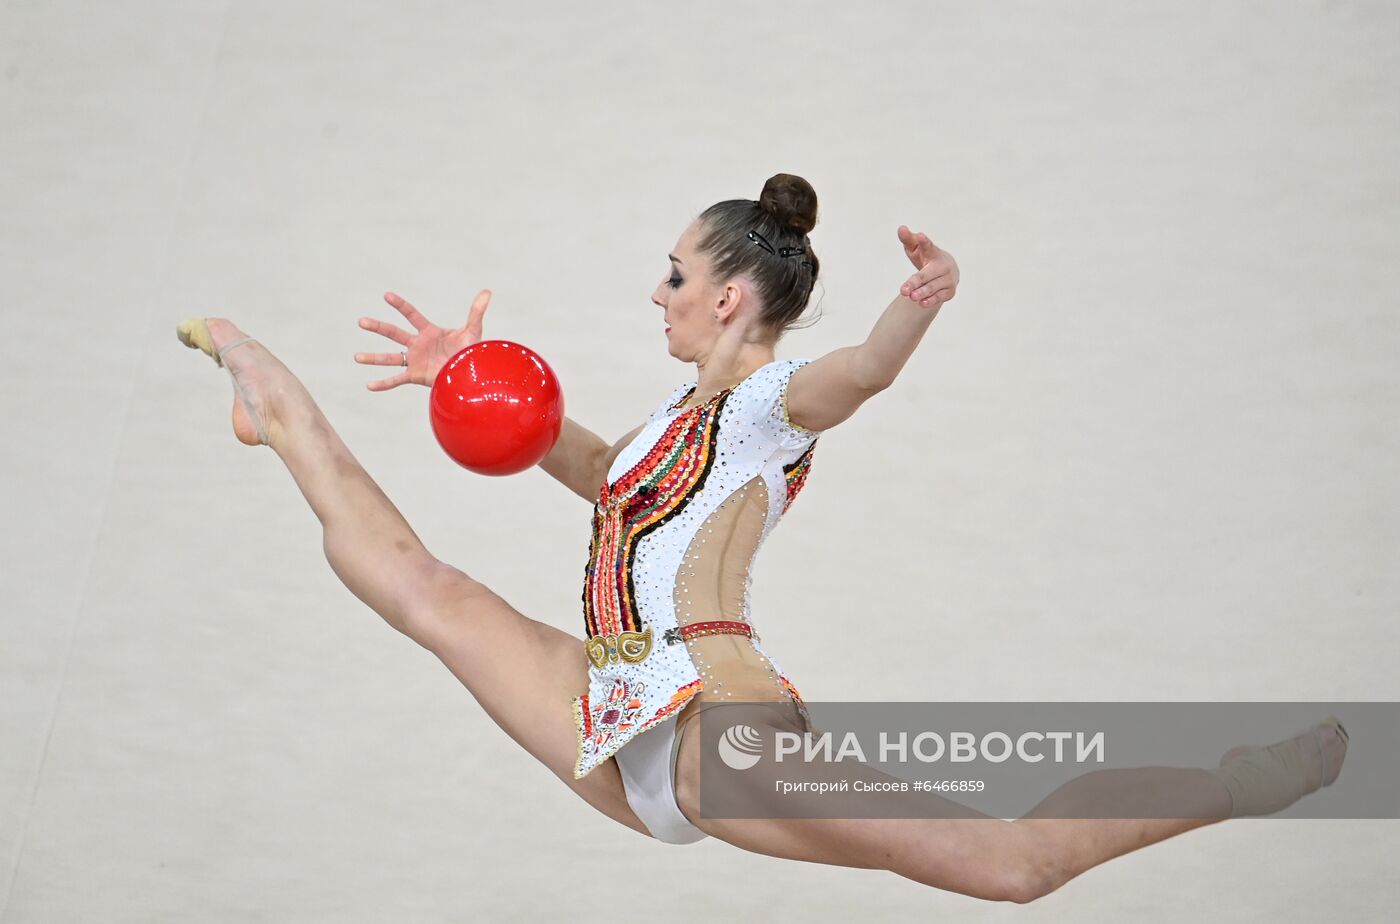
(524, 673)
(965, 851)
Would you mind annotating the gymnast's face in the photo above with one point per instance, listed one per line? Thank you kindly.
(689, 301)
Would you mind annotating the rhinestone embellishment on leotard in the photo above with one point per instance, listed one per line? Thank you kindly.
(649, 494)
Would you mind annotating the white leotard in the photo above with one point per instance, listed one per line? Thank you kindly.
(676, 526)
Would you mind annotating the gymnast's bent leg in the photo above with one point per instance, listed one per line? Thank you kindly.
(1086, 822)
(524, 673)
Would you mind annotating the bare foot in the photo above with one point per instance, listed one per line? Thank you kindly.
(1333, 740)
(256, 377)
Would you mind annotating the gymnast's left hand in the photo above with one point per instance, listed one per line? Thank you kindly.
(937, 278)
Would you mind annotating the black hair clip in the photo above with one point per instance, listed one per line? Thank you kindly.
(762, 241)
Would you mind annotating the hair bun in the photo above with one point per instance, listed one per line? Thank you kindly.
(792, 200)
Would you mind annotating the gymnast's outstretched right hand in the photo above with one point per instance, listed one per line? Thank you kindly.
(428, 350)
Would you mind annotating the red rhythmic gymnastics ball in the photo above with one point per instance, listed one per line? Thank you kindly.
(496, 408)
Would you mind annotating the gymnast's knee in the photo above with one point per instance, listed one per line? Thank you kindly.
(441, 598)
(1030, 874)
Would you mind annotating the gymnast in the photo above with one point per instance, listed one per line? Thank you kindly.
(681, 505)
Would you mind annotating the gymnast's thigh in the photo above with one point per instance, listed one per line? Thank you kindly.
(525, 675)
(836, 842)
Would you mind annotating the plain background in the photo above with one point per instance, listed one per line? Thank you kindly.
(1148, 452)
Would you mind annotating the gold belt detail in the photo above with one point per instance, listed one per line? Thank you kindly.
(625, 646)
